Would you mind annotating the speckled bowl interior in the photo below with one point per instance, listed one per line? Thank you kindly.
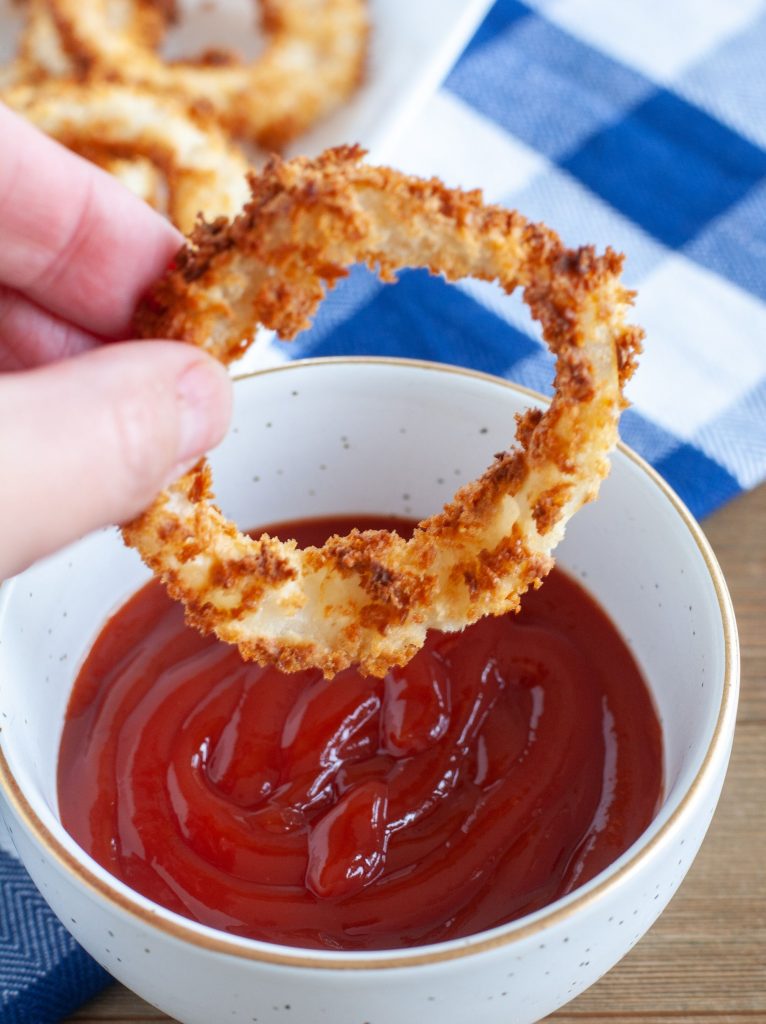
(398, 438)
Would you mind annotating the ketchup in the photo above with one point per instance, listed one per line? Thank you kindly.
(502, 768)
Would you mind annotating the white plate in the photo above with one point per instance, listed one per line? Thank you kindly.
(413, 45)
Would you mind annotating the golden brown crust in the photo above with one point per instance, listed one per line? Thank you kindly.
(370, 597)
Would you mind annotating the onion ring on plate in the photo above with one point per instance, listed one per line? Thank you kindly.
(205, 172)
(369, 598)
(313, 61)
(42, 52)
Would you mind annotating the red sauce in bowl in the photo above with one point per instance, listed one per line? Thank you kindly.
(502, 768)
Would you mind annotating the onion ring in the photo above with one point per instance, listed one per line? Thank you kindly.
(137, 174)
(205, 172)
(40, 49)
(42, 53)
(312, 63)
(369, 598)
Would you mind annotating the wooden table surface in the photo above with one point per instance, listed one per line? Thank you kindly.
(704, 961)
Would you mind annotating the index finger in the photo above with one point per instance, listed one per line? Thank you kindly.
(73, 239)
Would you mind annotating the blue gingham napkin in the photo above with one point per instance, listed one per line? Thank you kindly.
(640, 124)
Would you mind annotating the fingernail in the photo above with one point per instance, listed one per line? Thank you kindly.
(202, 391)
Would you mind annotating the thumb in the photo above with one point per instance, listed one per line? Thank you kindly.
(91, 440)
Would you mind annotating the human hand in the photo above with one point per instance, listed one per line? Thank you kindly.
(90, 430)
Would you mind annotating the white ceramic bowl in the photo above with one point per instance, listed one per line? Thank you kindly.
(383, 437)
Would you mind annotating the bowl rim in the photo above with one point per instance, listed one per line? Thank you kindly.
(176, 926)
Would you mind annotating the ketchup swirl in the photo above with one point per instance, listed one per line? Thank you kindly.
(501, 768)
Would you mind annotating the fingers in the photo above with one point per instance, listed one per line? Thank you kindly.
(73, 239)
(31, 337)
(91, 440)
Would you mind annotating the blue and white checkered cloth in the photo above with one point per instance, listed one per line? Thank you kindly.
(639, 124)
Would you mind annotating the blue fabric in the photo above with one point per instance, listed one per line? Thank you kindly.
(423, 317)
(542, 85)
(639, 124)
(44, 974)
(645, 166)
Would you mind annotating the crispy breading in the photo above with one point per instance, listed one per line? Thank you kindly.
(369, 598)
(204, 171)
